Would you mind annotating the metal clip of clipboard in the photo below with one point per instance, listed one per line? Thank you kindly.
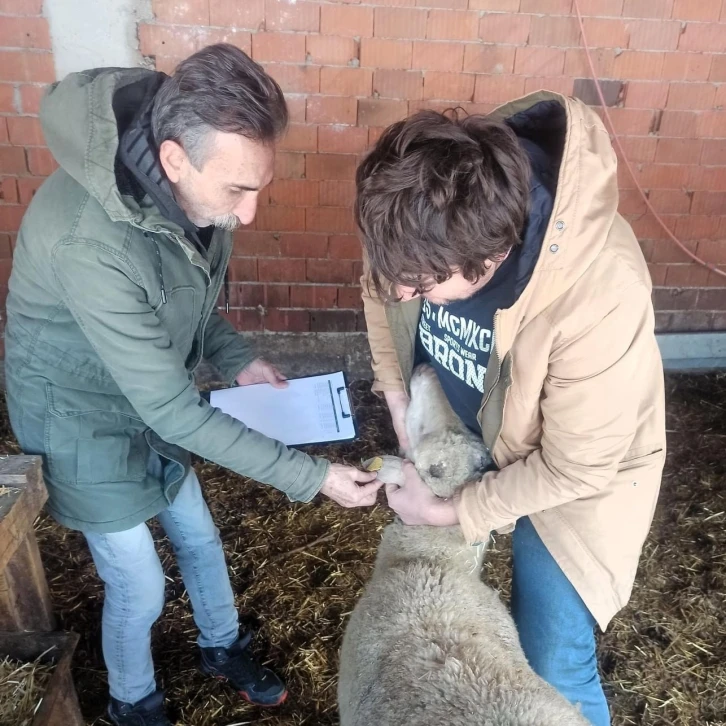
(340, 398)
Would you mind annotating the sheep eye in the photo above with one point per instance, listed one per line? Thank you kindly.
(436, 470)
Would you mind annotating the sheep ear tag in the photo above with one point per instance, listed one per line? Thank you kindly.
(374, 464)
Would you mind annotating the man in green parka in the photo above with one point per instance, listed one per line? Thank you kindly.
(117, 271)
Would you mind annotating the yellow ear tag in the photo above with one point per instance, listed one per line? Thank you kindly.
(374, 464)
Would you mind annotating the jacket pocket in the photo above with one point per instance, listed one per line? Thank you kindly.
(180, 317)
(641, 456)
(93, 437)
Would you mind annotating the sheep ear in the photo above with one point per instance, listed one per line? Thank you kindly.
(437, 470)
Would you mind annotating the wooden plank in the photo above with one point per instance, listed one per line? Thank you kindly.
(60, 701)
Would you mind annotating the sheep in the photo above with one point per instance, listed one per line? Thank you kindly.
(428, 643)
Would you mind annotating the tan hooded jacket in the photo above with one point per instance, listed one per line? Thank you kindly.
(573, 407)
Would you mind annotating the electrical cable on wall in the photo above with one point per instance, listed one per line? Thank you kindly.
(628, 165)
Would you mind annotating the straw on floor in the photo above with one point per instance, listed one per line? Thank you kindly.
(298, 570)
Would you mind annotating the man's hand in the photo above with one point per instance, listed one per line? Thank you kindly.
(351, 487)
(260, 371)
(397, 402)
(415, 503)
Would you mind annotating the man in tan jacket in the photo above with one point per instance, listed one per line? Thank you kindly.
(494, 252)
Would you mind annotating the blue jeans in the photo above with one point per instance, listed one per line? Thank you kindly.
(129, 566)
(556, 630)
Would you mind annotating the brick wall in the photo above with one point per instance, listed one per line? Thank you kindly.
(350, 68)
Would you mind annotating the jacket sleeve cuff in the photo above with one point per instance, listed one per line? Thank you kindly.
(475, 528)
(309, 480)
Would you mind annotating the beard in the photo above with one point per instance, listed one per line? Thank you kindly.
(200, 216)
(228, 222)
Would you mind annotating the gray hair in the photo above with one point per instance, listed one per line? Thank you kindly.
(218, 88)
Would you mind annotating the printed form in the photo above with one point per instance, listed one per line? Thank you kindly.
(310, 410)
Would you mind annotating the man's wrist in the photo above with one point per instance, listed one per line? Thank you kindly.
(445, 513)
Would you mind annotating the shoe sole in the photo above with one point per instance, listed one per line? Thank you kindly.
(223, 679)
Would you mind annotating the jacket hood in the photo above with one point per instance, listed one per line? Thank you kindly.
(83, 121)
(584, 180)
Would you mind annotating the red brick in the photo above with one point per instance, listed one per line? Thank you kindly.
(400, 23)
(278, 47)
(250, 296)
(281, 270)
(647, 8)
(313, 296)
(342, 139)
(711, 124)
(539, 61)
(27, 186)
(249, 14)
(639, 148)
(703, 37)
(718, 68)
(375, 133)
(554, 30)
(242, 39)
(285, 15)
(646, 94)
(449, 86)
(12, 160)
(697, 9)
(277, 296)
(488, 58)
(561, 85)
(247, 320)
(278, 218)
(391, 3)
(350, 297)
(345, 247)
(291, 321)
(663, 176)
(331, 50)
(243, 269)
(299, 137)
(576, 64)
(7, 98)
(346, 81)
(679, 123)
(504, 28)
(8, 190)
(546, 7)
(498, 89)
(294, 193)
(638, 65)
(6, 247)
(691, 96)
(289, 166)
(166, 65)
(329, 219)
(30, 97)
(380, 112)
(11, 215)
(380, 53)
(296, 108)
(346, 21)
(331, 110)
(670, 201)
(304, 245)
(26, 65)
(330, 166)
(250, 243)
(666, 251)
(708, 202)
(714, 152)
(678, 151)
(337, 194)
(438, 56)
(712, 299)
(25, 131)
(190, 12)
(686, 66)
(686, 275)
(653, 34)
(448, 4)
(630, 201)
(449, 25)
(720, 100)
(648, 227)
(174, 41)
(657, 274)
(21, 7)
(712, 250)
(295, 79)
(330, 271)
(511, 6)
(24, 32)
(398, 84)
(606, 33)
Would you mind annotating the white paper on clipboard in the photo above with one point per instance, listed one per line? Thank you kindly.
(310, 410)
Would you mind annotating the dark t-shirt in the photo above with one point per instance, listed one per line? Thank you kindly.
(456, 339)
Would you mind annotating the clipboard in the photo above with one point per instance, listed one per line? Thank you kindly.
(311, 410)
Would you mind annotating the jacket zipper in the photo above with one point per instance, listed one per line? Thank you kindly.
(499, 361)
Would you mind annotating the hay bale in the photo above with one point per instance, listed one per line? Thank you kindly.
(22, 686)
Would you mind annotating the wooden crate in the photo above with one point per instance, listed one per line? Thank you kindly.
(24, 597)
(60, 702)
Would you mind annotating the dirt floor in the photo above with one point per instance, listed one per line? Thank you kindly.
(298, 569)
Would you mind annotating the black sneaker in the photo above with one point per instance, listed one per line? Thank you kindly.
(236, 666)
(148, 711)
